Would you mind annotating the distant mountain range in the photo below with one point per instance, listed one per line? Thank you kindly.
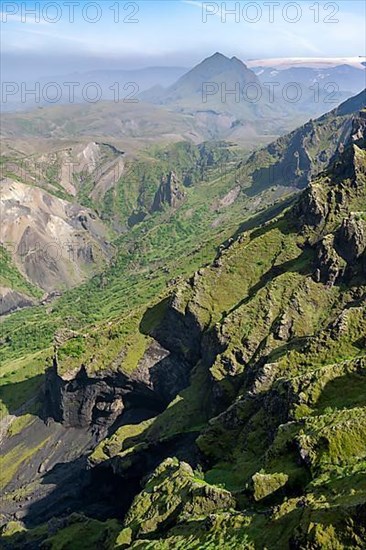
(261, 99)
(220, 98)
(336, 78)
(332, 80)
(309, 62)
(114, 85)
(225, 74)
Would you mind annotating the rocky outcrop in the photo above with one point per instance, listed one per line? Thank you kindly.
(170, 193)
(11, 300)
(340, 256)
(329, 265)
(170, 493)
(312, 207)
(85, 399)
(350, 239)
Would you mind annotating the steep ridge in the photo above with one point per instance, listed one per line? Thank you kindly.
(296, 158)
(283, 441)
(272, 421)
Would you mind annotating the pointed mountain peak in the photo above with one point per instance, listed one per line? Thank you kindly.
(218, 69)
(219, 64)
(221, 59)
(216, 60)
(217, 55)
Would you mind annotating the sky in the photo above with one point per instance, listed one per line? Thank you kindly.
(44, 38)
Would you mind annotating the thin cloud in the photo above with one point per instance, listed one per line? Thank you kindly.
(300, 40)
(16, 18)
(201, 6)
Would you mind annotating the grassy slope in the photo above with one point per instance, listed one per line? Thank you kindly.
(164, 246)
(254, 454)
(10, 277)
(293, 454)
(264, 279)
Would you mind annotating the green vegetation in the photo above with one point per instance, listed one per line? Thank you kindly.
(12, 461)
(10, 277)
(21, 380)
(163, 247)
(19, 423)
(272, 324)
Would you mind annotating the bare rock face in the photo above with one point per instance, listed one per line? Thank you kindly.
(350, 240)
(313, 208)
(54, 243)
(169, 193)
(96, 400)
(85, 401)
(11, 300)
(329, 266)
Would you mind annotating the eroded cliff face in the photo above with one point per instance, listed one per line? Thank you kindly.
(54, 243)
(97, 400)
(170, 193)
(331, 212)
(11, 300)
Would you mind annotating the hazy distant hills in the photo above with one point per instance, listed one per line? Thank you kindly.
(235, 100)
(323, 83)
(332, 80)
(218, 82)
(223, 83)
(114, 85)
(220, 98)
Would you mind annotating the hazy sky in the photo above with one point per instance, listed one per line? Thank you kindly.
(172, 32)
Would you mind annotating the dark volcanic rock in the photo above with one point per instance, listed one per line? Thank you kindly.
(350, 240)
(329, 266)
(169, 193)
(97, 400)
(312, 208)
